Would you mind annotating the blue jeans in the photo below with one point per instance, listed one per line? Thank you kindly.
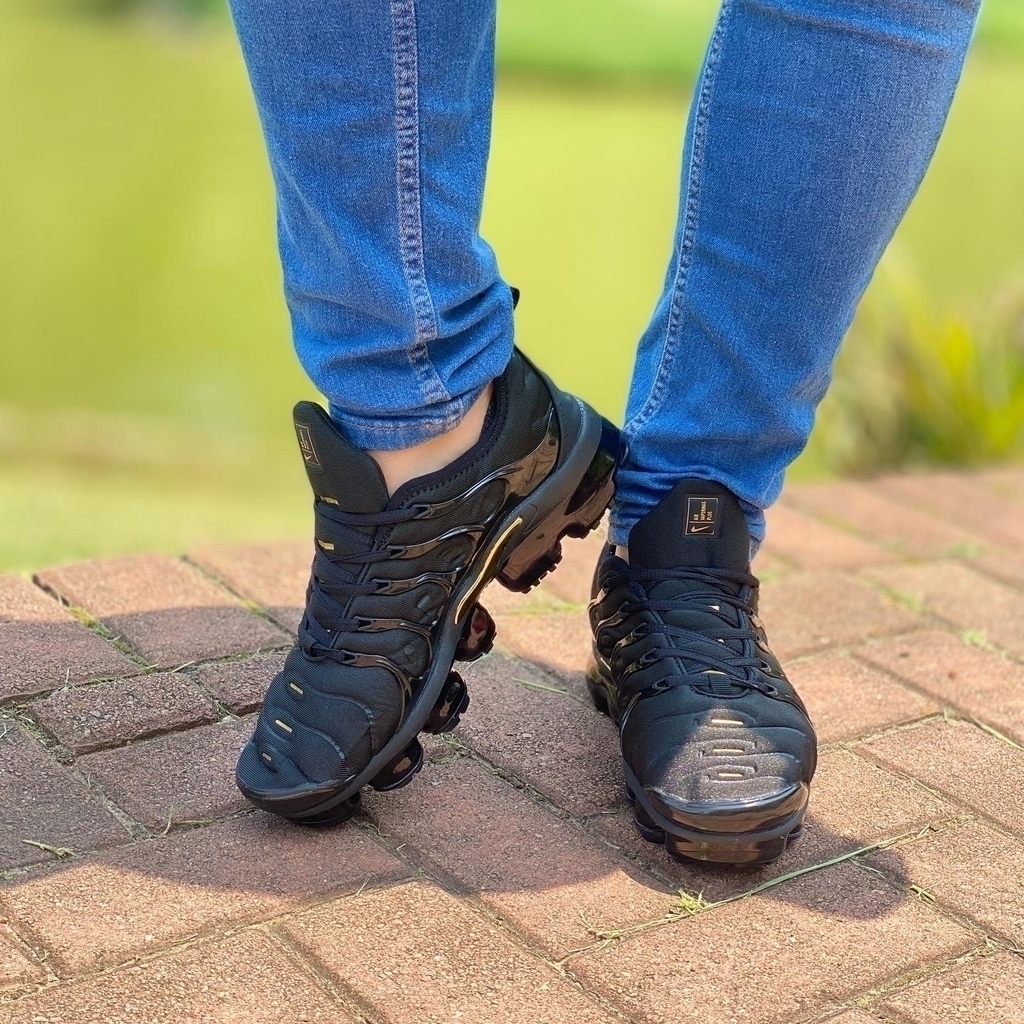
(812, 124)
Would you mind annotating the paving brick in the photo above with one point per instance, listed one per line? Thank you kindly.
(165, 610)
(1006, 482)
(847, 698)
(85, 718)
(853, 1017)
(557, 641)
(274, 576)
(185, 775)
(962, 500)
(241, 685)
(767, 565)
(960, 759)
(498, 600)
(247, 977)
(985, 990)
(533, 868)
(972, 868)
(563, 748)
(853, 804)
(858, 507)
(811, 544)
(976, 682)
(808, 612)
(415, 954)
(1006, 566)
(103, 910)
(967, 599)
(17, 970)
(823, 938)
(43, 646)
(42, 801)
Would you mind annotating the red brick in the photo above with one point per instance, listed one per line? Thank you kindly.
(414, 954)
(85, 718)
(847, 698)
(557, 641)
(162, 608)
(853, 1017)
(498, 600)
(986, 990)
(136, 899)
(809, 612)
(186, 776)
(552, 741)
(42, 646)
(973, 869)
(976, 682)
(809, 944)
(17, 969)
(274, 576)
(533, 868)
(246, 977)
(810, 544)
(1006, 566)
(44, 802)
(767, 566)
(241, 685)
(853, 804)
(1006, 482)
(962, 500)
(963, 597)
(959, 759)
(858, 507)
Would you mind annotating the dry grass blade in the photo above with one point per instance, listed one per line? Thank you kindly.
(60, 852)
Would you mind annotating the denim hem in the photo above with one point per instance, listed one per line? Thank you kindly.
(393, 432)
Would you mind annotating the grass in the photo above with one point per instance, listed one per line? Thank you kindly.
(146, 376)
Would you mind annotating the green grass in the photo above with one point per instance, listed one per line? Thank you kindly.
(146, 376)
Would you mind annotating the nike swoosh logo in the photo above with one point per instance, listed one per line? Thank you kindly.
(700, 529)
(307, 455)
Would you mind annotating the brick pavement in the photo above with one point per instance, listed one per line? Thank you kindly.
(506, 883)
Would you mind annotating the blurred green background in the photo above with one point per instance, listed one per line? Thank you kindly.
(146, 373)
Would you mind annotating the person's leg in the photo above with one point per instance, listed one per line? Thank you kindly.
(811, 127)
(447, 460)
(377, 121)
(812, 124)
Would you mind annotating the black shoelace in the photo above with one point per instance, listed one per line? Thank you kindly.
(728, 652)
(334, 580)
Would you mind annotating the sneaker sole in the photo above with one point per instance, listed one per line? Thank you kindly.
(754, 846)
(525, 546)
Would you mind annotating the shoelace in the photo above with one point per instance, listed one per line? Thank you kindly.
(727, 655)
(333, 583)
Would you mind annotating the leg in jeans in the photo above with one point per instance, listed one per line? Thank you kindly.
(812, 124)
(377, 120)
(377, 123)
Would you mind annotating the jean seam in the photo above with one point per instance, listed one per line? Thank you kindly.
(694, 179)
(410, 213)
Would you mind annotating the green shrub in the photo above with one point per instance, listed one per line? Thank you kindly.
(913, 389)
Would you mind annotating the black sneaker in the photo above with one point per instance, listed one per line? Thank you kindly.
(718, 751)
(392, 601)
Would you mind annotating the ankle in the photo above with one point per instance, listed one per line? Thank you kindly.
(405, 464)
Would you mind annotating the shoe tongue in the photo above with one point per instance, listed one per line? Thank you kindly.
(698, 523)
(337, 470)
